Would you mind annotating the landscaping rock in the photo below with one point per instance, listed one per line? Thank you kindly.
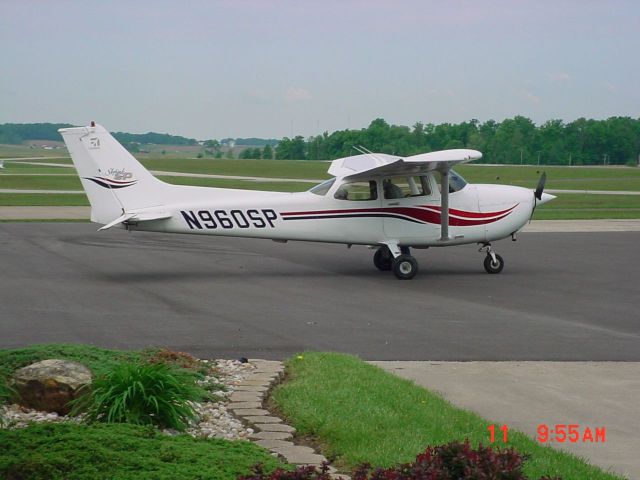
(50, 385)
(266, 419)
(276, 427)
(271, 436)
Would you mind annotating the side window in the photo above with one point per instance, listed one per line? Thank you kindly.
(358, 191)
(402, 187)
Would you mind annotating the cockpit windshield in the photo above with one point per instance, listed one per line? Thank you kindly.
(324, 187)
(456, 182)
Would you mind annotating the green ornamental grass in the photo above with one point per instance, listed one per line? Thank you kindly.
(6, 392)
(142, 394)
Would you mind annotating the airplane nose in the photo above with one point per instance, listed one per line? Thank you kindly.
(545, 198)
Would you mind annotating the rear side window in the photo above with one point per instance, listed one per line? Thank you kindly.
(357, 191)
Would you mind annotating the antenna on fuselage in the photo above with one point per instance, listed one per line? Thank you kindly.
(366, 151)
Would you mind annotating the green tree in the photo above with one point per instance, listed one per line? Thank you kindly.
(291, 149)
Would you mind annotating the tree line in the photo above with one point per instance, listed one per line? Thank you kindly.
(17, 133)
(614, 141)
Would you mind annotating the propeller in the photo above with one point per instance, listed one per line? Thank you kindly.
(537, 194)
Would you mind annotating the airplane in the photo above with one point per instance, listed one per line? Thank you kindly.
(387, 202)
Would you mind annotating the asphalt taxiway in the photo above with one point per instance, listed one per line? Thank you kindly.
(562, 296)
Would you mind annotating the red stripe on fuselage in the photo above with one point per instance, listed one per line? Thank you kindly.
(425, 214)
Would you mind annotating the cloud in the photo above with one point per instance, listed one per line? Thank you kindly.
(531, 97)
(297, 94)
(559, 77)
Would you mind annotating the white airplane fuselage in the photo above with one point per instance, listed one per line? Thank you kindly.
(478, 213)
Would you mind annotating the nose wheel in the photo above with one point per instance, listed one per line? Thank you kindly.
(493, 263)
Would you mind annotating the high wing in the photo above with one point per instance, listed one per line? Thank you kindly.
(360, 167)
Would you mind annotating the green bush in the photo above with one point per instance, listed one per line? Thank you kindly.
(142, 394)
(66, 451)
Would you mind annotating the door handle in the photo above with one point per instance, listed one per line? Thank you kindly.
(393, 203)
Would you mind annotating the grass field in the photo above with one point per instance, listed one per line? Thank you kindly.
(565, 178)
(253, 168)
(18, 175)
(43, 200)
(21, 151)
(40, 182)
(244, 184)
(359, 413)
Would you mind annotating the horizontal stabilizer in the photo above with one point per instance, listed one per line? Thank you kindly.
(136, 217)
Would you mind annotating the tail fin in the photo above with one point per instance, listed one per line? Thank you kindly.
(113, 179)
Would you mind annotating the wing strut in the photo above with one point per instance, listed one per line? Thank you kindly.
(444, 206)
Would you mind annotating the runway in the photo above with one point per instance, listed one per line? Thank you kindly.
(562, 296)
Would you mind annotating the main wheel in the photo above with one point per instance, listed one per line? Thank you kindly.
(382, 259)
(493, 267)
(405, 267)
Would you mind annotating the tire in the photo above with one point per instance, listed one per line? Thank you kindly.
(382, 259)
(493, 267)
(405, 267)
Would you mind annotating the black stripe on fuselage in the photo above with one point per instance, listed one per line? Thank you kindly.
(353, 215)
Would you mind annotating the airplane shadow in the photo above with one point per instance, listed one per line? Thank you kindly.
(159, 276)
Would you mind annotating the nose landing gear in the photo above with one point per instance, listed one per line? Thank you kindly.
(493, 263)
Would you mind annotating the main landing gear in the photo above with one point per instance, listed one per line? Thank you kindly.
(493, 263)
(404, 266)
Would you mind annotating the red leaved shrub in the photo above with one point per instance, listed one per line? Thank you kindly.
(453, 461)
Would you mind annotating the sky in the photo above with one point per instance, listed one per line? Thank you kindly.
(267, 68)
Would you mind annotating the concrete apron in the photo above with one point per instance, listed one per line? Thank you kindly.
(523, 395)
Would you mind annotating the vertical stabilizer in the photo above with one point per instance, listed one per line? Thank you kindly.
(113, 179)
